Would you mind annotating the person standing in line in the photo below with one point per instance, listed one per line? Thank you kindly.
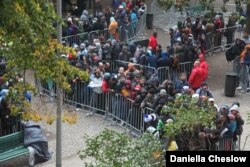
(203, 65)
(196, 76)
(153, 42)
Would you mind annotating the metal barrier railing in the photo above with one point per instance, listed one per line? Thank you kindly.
(117, 108)
(225, 144)
(244, 77)
(186, 67)
(222, 38)
(76, 39)
(123, 34)
(163, 73)
(118, 63)
(10, 125)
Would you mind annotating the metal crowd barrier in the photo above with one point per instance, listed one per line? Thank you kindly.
(106, 34)
(186, 67)
(119, 109)
(222, 38)
(122, 110)
(118, 63)
(163, 73)
(225, 144)
(76, 39)
(10, 125)
(47, 88)
(123, 33)
(113, 106)
(166, 73)
(244, 77)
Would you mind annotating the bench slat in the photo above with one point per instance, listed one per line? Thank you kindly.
(11, 141)
(12, 146)
(13, 153)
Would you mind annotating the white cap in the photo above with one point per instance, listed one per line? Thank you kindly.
(178, 39)
(234, 107)
(211, 99)
(163, 92)
(149, 118)
(153, 131)
(69, 19)
(185, 88)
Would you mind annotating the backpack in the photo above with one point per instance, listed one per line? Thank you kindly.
(235, 50)
(133, 17)
(229, 55)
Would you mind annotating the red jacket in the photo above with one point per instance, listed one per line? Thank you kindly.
(204, 65)
(105, 86)
(196, 77)
(152, 43)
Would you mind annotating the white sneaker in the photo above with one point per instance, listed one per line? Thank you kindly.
(239, 88)
(89, 114)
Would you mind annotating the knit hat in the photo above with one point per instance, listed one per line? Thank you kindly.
(85, 12)
(69, 19)
(112, 19)
(185, 88)
(75, 46)
(106, 75)
(163, 92)
(149, 118)
(211, 99)
(82, 46)
(235, 108)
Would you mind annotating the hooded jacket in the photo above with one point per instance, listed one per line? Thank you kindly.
(113, 27)
(196, 77)
(152, 43)
(125, 54)
(244, 58)
(203, 65)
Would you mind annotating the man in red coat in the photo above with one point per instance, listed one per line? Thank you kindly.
(203, 65)
(153, 42)
(196, 77)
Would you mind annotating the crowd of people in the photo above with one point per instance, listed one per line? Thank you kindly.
(188, 43)
(8, 121)
(118, 14)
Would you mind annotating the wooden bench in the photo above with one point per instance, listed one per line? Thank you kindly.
(12, 146)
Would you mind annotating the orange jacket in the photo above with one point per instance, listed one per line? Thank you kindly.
(243, 53)
(113, 27)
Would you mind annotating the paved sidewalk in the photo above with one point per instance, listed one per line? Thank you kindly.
(72, 135)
